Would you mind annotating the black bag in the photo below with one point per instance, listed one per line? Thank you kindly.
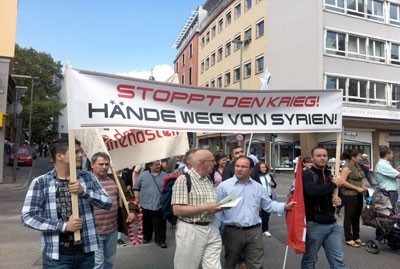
(166, 194)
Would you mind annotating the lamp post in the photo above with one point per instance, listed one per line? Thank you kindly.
(31, 101)
(240, 43)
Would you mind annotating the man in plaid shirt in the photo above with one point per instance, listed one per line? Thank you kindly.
(48, 208)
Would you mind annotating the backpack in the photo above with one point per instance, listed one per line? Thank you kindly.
(166, 194)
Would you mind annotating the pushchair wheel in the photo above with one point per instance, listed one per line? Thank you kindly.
(373, 246)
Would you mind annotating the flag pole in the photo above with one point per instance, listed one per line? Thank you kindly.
(337, 164)
(248, 148)
(72, 178)
(284, 260)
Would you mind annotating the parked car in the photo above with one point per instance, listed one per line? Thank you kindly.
(24, 156)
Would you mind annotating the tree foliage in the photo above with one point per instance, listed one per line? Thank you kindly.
(46, 103)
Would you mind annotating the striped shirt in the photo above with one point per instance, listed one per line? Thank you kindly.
(202, 192)
(40, 211)
(107, 220)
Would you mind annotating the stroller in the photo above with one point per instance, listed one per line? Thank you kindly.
(378, 213)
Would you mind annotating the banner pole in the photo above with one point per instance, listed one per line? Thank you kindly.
(120, 190)
(72, 178)
(248, 148)
(337, 164)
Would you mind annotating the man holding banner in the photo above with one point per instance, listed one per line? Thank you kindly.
(322, 228)
(48, 208)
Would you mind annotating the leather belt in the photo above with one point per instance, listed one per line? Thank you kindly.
(243, 228)
(196, 222)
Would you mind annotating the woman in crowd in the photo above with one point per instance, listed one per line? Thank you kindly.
(261, 175)
(220, 162)
(352, 191)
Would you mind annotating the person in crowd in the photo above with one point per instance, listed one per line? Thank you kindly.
(365, 165)
(48, 208)
(229, 169)
(253, 157)
(307, 163)
(261, 175)
(322, 228)
(147, 191)
(107, 220)
(352, 191)
(220, 160)
(242, 224)
(387, 176)
(186, 159)
(198, 240)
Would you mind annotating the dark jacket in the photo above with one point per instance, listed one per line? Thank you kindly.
(229, 170)
(318, 196)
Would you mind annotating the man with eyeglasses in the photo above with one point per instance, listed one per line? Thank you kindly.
(229, 169)
(197, 238)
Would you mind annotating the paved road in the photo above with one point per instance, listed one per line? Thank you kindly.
(19, 246)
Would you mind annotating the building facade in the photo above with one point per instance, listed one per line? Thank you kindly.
(353, 45)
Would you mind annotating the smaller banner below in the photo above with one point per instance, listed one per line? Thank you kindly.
(132, 147)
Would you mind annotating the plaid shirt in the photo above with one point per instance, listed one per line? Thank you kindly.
(40, 212)
(202, 192)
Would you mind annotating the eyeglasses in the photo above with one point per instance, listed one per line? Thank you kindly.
(212, 160)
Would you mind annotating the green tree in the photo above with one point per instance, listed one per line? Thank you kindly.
(46, 103)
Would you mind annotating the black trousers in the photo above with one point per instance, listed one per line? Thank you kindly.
(154, 221)
(265, 220)
(352, 211)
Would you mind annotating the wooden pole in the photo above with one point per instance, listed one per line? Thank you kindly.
(337, 164)
(120, 190)
(73, 178)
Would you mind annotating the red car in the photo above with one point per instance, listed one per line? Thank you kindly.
(25, 156)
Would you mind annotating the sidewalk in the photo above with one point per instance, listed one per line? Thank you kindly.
(23, 176)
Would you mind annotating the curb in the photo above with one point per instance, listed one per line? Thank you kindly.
(25, 184)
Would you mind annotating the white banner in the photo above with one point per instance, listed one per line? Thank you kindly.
(132, 147)
(98, 100)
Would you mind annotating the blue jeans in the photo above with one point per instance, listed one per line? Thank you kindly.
(105, 254)
(81, 261)
(394, 197)
(329, 237)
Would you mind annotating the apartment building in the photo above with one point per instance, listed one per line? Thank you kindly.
(353, 45)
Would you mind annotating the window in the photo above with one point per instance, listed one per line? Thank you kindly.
(237, 45)
(357, 47)
(376, 51)
(249, 4)
(213, 31)
(228, 18)
(190, 76)
(336, 83)
(377, 93)
(236, 74)
(394, 14)
(356, 7)
(177, 67)
(259, 64)
(228, 78)
(183, 79)
(335, 43)
(202, 42)
(335, 5)
(396, 95)
(207, 63)
(219, 82)
(207, 37)
(375, 10)
(220, 25)
(247, 69)
(395, 54)
(238, 11)
(191, 50)
(212, 83)
(183, 60)
(212, 58)
(247, 36)
(260, 29)
(228, 49)
(202, 67)
(357, 91)
(220, 54)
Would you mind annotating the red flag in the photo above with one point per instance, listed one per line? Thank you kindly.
(296, 218)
